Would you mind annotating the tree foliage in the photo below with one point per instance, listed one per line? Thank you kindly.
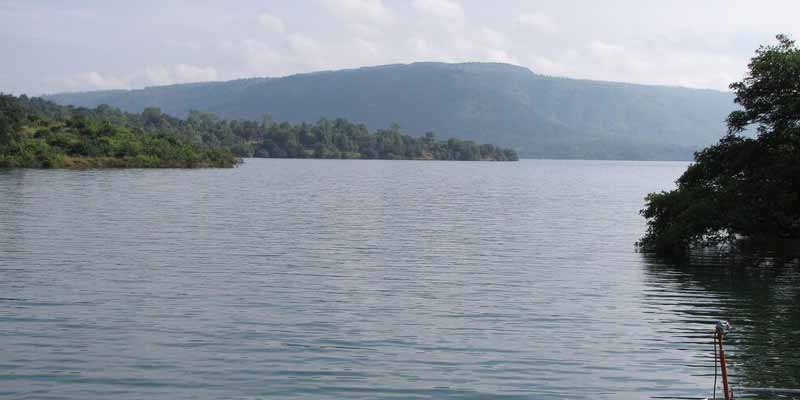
(325, 138)
(35, 133)
(12, 116)
(342, 139)
(38, 133)
(741, 187)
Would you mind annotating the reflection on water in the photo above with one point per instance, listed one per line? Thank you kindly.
(758, 293)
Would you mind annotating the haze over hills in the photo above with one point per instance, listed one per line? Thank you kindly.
(540, 116)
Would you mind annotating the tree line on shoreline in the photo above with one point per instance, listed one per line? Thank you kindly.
(336, 139)
(38, 133)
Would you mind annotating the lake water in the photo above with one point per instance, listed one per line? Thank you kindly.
(305, 279)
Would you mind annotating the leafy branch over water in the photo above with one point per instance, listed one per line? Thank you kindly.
(741, 187)
(40, 134)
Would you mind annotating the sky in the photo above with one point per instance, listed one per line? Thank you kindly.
(56, 46)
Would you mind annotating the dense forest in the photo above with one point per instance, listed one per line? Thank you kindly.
(40, 133)
(337, 138)
(35, 133)
(741, 190)
(342, 139)
(539, 116)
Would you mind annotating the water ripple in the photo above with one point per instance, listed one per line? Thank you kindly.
(337, 279)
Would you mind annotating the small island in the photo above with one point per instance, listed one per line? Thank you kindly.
(37, 133)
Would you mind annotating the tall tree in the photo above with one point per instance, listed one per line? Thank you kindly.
(12, 115)
(741, 187)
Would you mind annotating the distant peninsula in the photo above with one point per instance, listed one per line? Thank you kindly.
(37, 133)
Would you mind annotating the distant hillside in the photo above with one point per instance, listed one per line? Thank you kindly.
(540, 116)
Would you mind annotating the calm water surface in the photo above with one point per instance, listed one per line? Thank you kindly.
(311, 279)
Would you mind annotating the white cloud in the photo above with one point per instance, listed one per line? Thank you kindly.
(363, 30)
(156, 75)
(422, 50)
(491, 37)
(254, 57)
(500, 56)
(643, 62)
(366, 47)
(193, 73)
(546, 66)
(271, 22)
(445, 9)
(302, 44)
(660, 43)
(151, 75)
(290, 54)
(537, 21)
(98, 81)
(371, 11)
(190, 45)
(604, 49)
(445, 35)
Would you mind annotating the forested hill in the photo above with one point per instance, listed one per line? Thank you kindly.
(511, 106)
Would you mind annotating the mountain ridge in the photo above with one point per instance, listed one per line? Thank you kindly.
(541, 116)
(378, 66)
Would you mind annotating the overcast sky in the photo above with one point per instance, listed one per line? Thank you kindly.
(51, 46)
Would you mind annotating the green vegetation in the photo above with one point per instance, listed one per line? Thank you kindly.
(509, 106)
(741, 188)
(36, 133)
(342, 139)
(324, 139)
